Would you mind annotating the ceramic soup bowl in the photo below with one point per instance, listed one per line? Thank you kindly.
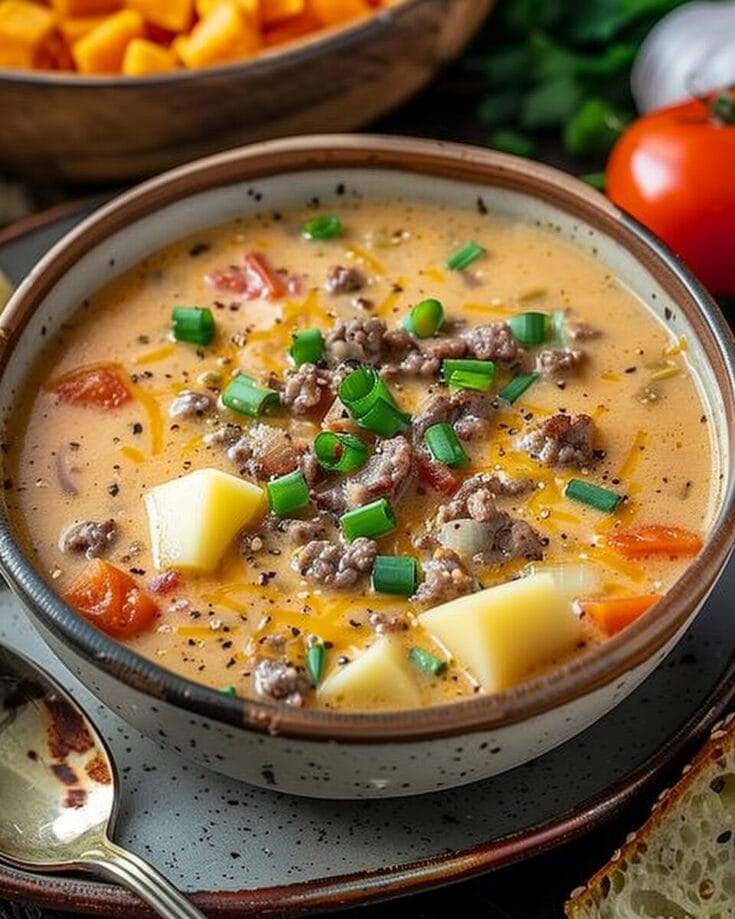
(340, 755)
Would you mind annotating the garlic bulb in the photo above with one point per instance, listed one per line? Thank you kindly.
(690, 51)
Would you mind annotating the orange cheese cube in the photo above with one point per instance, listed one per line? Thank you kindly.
(174, 15)
(333, 12)
(143, 57)
(24, 27)
(274, 11)
(69, 8)
(102, 50)
(250, 7)
(75, 27)
(225, 34)
(290, 29)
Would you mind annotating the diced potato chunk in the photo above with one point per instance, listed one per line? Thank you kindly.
(502, 633)
(143, 57)
(102, 50)
(194, 519)
(380, 678)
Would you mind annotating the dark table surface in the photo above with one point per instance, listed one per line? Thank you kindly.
(537, 888)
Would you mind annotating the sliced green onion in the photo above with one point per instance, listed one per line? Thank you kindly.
(324, 226)
(529, 328)
(465, 256)
(395, 574)
(242, 394)
(340, 452)
(463, 379)
(228, 690)
(425, 319)
(372, 520)
(427, 661)
(288, 493)
(371, 403)
(193, 324)
(468, 374)
(444, 445)
(602, 499)
(559, 327)
(315, 659)
(517, 386)
(308, 347)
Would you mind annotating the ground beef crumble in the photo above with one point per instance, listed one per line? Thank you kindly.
(494, 342)
(476, 497)
(190, 404)
(562, 440)
(335, 564)
(305, 388)
(558, 361)
(469, 412)
(281, 681)
(445, 578)
(90, 537)
(343, 279)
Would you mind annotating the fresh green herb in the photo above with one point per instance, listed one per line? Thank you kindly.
(465, 256)
(371, 520)
(228, 690)
(425, 319)
(315, 659)
(395, 574)
(601, 499)
(508, 141)
(242, 394)
(517, 386)
(192, 324)
(427, 661)
(444, 445)
(340, 452)
(308, 347)
(529, 328)
(371, 403)
(287, 494)
(323, 226)
(595, 179)
(460, 373)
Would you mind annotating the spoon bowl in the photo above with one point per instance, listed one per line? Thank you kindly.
(58, 789)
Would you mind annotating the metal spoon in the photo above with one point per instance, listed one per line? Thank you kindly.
(58, 790)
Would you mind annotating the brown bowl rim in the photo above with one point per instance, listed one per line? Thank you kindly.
(304, 47)
(592, 669)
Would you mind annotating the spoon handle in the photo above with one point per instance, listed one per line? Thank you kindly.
(142, 879)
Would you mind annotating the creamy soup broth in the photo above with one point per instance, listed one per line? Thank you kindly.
(649, 442)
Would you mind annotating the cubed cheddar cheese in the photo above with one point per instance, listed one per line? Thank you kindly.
(193, 519)
(24, 27)
(225, 34)
(77, 8)
(379, 678)
(333, 12)
(75, 27)
(174, 15)
(504, 633)
(275, 11)
(102, 50)
(145, 58)
(290, 29)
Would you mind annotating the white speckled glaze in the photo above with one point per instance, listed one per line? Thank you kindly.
(323, 754)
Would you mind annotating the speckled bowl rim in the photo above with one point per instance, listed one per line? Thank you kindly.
(301, 49)
(589, 671)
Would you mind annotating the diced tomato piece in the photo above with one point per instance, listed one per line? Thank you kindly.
(615, 613)
(233, 279)
(437, 475)
(260, 273)
(100, 386)
(655, 539)
(255, 279)
(110, 599)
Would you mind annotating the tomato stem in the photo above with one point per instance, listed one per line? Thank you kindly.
(722, 106)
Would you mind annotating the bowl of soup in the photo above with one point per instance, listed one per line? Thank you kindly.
(145, 99)
(363, 466)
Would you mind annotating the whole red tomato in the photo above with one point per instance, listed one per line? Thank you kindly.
(674, 170)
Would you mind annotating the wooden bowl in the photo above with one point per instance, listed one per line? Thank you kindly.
(108, 129)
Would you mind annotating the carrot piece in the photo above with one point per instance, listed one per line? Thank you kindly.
(174, 15)
(144, 57)
(102, 50)
(110, 599)
(655, 539)
(24, 27)
(615, 613)
(225, 34)
(67, 8)
(271, 285)
(99, 385)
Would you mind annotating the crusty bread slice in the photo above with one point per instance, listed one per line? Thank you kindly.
(681, 863)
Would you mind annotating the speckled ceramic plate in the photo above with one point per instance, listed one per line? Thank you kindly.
(243, 851)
